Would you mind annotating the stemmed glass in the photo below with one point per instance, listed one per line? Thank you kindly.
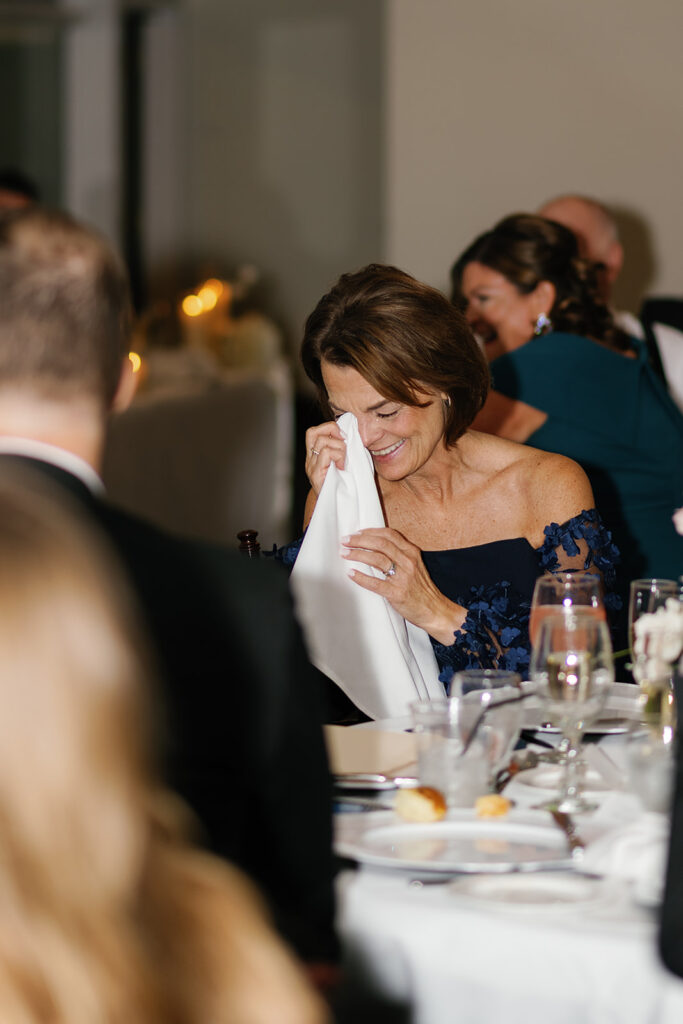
(572, 670)
(554, 592)
(557, 592)
(647, 596)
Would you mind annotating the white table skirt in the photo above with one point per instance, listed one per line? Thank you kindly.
(472, 966)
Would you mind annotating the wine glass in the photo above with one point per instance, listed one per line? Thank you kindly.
(572, 670)
(647, 596)
(490, 690)
(555, 591)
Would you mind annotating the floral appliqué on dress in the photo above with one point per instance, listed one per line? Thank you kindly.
(495, 633)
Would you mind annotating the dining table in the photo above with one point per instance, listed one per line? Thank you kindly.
(513, 926)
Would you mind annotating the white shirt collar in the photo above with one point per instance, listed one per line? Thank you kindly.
(60, 457)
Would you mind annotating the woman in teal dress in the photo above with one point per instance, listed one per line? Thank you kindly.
(566, 380)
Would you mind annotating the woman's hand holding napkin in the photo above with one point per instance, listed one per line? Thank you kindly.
(382, 662)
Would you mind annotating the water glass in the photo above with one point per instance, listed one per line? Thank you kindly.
(491, 690)
(650, 760)
(443, 763)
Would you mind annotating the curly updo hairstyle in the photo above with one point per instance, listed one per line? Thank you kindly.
(527, 249)
(404, 338)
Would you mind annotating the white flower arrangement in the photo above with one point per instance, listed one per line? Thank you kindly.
(658, 641)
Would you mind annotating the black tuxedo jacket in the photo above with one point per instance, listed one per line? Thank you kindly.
(243, 738)
(660, 311)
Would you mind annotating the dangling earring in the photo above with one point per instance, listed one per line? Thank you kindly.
(543, 324)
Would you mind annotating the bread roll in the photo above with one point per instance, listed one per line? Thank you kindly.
(421, 805)
(491, 806)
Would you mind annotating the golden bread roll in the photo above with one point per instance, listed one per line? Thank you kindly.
(491, 806)
(421, 804)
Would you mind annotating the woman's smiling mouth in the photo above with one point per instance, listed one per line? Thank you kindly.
(382, 453)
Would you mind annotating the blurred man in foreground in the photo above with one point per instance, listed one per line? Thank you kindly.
(243, 741)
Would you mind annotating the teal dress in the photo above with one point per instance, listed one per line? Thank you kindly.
(613, 416)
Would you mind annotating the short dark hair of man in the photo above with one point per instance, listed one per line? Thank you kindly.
(66, 308)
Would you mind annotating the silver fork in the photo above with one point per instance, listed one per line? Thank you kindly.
(564, 822)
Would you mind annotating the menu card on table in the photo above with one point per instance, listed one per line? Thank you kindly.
(370, 751)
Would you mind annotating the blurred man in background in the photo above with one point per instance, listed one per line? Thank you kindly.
(660, 323)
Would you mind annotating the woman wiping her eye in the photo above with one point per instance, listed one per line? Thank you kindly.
(472, 520)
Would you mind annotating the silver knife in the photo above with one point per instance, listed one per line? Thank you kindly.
(373, 780)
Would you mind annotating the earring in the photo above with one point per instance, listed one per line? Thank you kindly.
(543, 324)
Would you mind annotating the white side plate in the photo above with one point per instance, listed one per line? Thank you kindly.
(621, 708)
(544, 892)
(523, 841)
(548, 777)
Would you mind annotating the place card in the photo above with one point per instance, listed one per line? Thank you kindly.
(372, 751)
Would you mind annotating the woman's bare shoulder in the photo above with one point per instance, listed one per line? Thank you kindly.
(554, 489)
(543, 487)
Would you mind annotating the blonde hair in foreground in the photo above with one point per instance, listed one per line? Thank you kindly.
(108, 916)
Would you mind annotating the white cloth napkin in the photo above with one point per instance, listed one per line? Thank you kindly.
(354, 636)
(634, 850)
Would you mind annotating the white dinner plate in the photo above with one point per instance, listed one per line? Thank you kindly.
(522, 841)
(535, 893)
(548, 777)
(621, 708)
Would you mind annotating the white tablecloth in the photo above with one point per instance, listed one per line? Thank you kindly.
(471, 966)
(592, 963)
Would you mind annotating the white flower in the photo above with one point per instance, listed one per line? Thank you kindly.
(658, 641)
(678, 519)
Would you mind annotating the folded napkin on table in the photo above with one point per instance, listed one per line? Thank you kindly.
(355, 637)
(634, 848)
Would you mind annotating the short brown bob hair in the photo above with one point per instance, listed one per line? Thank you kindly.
(403, 337)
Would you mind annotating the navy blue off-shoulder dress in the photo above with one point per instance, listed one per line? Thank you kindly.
(495, 583)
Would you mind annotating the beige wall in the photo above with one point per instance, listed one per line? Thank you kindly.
(494, 106)
(311, 136)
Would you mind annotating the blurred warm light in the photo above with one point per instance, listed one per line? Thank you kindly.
(136, 360)
(192, 305)
(214, 286)
(205, 298)
(208, 297)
